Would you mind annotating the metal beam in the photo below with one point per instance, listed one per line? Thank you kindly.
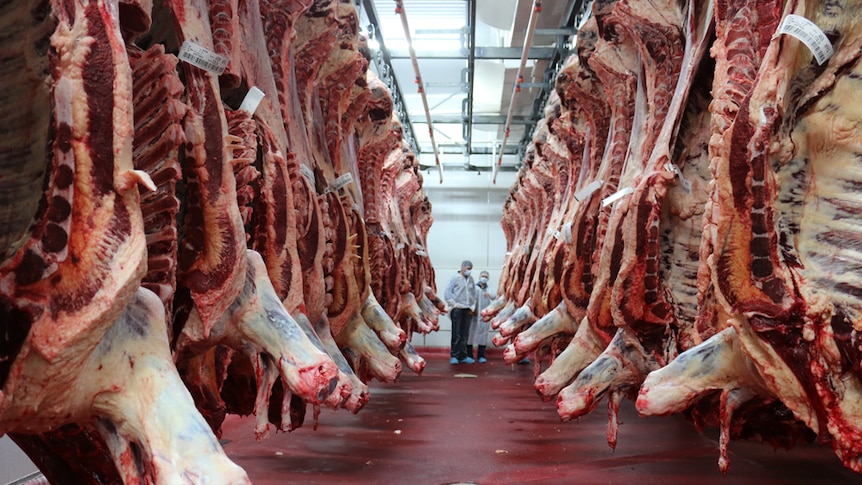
(479, 119)
(482, 53)
(536, 85)
(472, 168)
(564, 31)
(459, 150)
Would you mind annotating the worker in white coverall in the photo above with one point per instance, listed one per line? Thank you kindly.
(480, 330)
(461, 297)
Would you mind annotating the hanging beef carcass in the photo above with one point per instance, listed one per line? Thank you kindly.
(229, 188)
(525, 199)
(615, 63)
(652, 241)
(231, 300)
(583, 128)
(277, 228)
(786, 223)
(551, 151)
(535, 198)
(376, 139)
(396, 188)
(556, 161)
(743, 30)
(410, 217)
(279, 18)
(333, 91)
(87, 346)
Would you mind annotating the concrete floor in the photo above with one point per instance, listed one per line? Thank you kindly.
(484, 424)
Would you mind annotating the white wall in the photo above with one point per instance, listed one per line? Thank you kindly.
(467, 208)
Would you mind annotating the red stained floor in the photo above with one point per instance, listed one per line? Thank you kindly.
(442, 428)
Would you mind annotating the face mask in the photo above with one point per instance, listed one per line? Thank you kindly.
(483, 280)
(466, 272)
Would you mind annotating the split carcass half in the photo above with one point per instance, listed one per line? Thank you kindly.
(743, 31)
(279, 19)
(581, 99)
(615, 64)
(786, 220)
(88, 366)
(329, 119)
(652, 240)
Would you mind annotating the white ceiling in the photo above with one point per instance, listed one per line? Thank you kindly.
(440, 30)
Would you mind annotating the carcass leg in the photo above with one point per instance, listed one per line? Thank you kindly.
(257, 322)
(144, 411)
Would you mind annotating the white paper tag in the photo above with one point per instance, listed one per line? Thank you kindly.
(307, 172)
(671, 167)
(420, 252)
(252, 100)
(202, 57)
(567, 232)
(809, 34)
(557, 235)
(399, 246)
(340, 182)
(588, 190)
(617, 196)
(508, 253)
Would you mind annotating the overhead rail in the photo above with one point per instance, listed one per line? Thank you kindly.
(399, 9)
(528, 41)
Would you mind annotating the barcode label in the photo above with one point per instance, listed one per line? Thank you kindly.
(202, 57)
(307, 172)
(252, 100)
(340, 182)
(588, 190)
(809, 34)
(672, 167)
(615, 197)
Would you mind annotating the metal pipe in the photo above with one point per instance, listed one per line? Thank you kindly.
(471, 70)
(528, 40)
(399, 9)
